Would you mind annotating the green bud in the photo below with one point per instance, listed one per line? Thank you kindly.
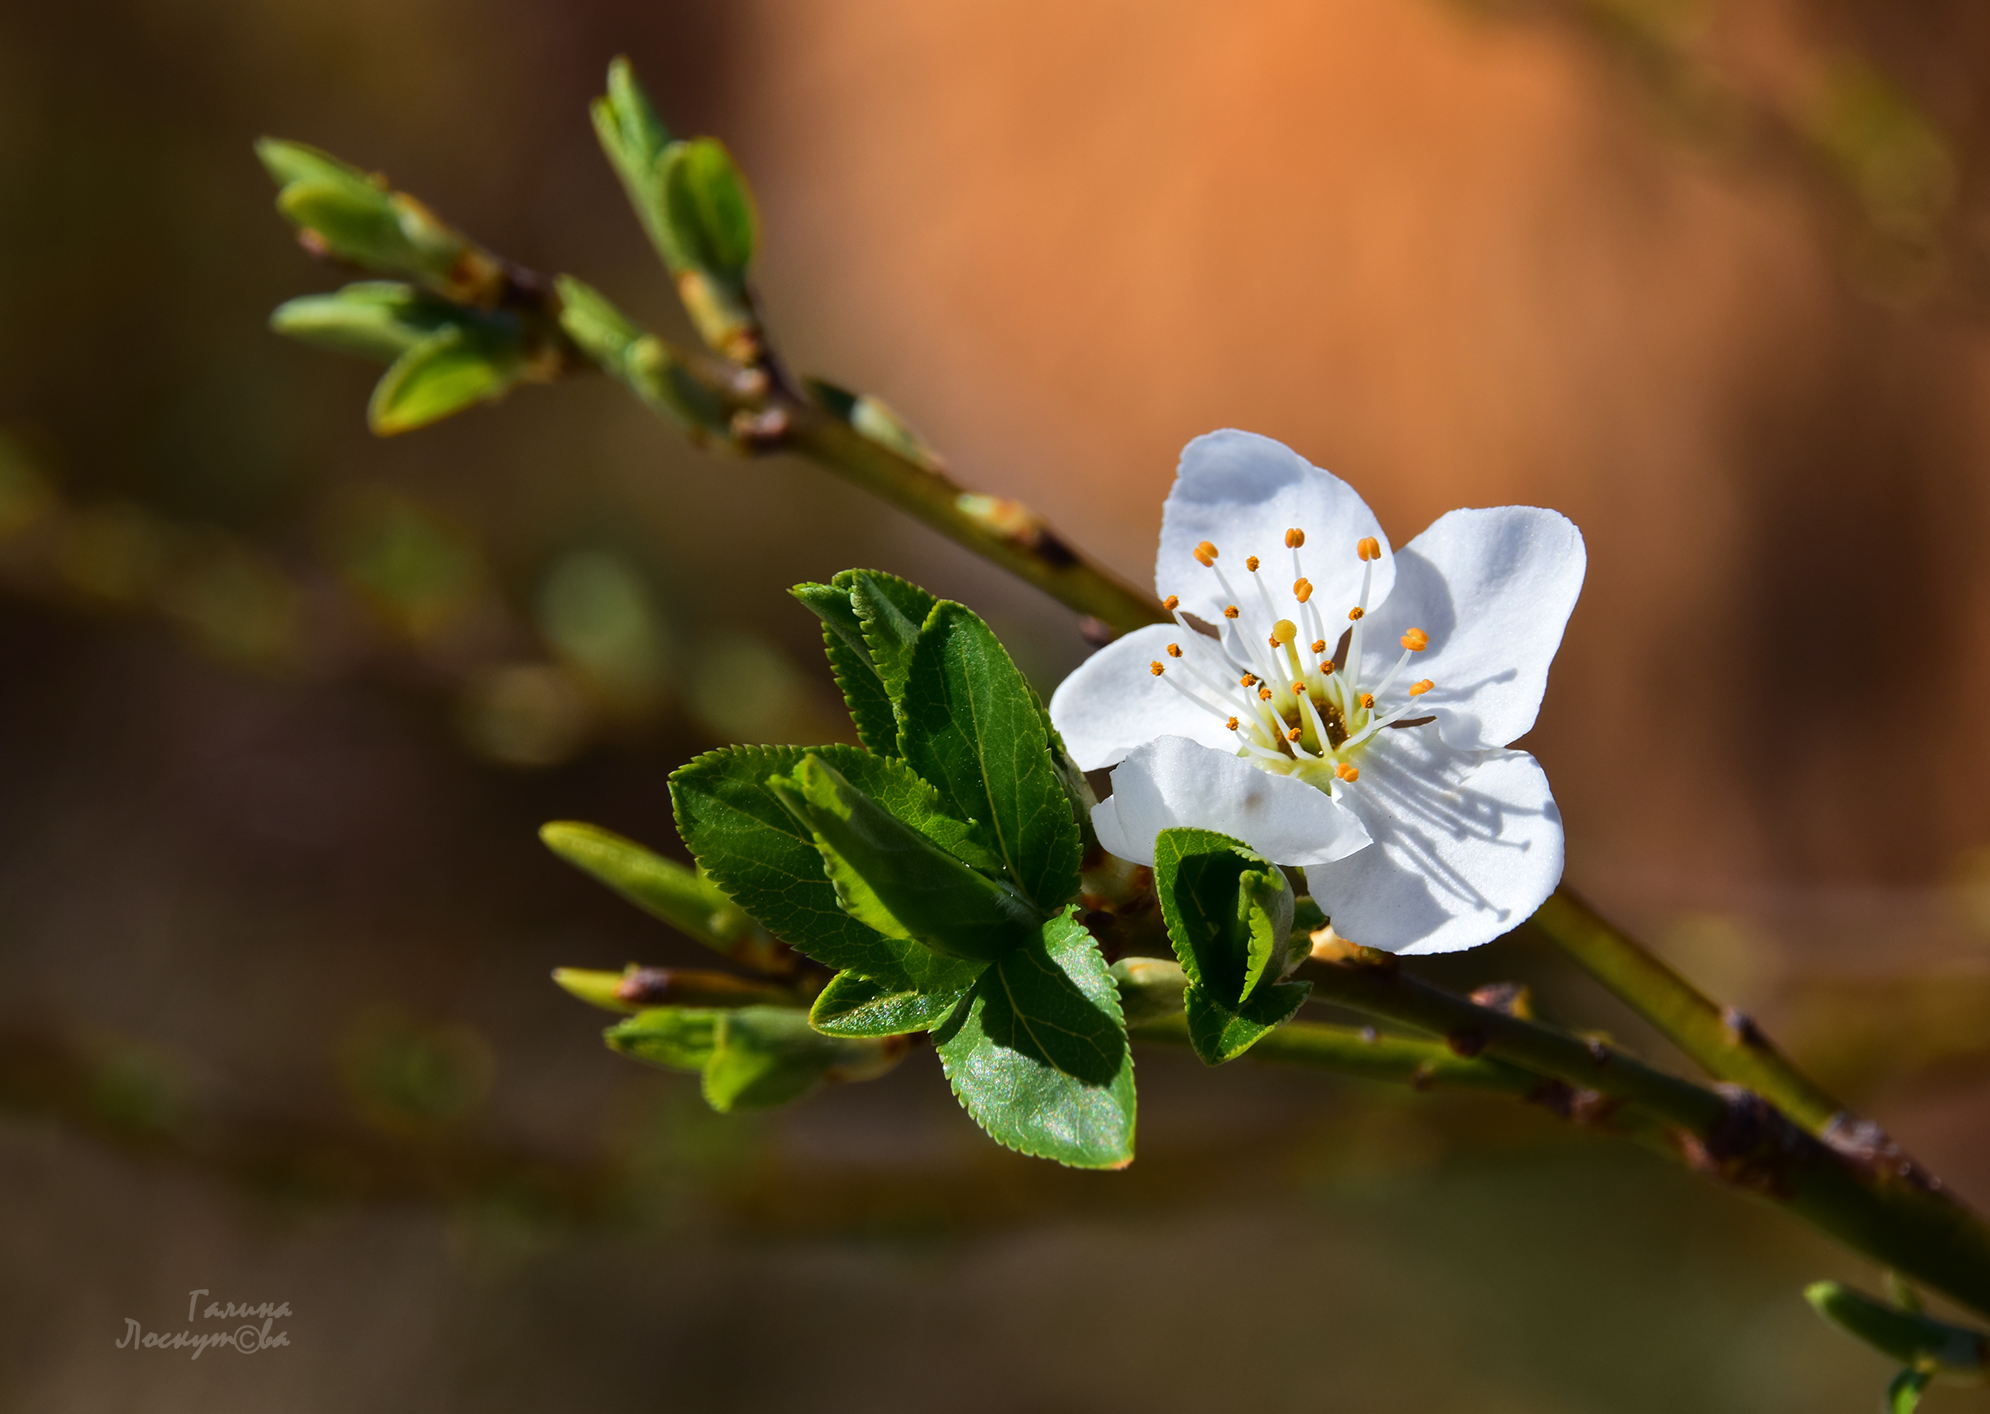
(355, 216)
(1917, 1341)
(675, 1038)
(376, 319)
(768, 1056)
(639, 361)
(665, 889)
(456, 367)
(1229, 914)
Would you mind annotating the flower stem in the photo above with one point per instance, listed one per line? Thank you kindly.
(1724, 1043)
(1870, 1198)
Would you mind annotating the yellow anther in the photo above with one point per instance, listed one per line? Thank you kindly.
(1171, 603)
(1319, 645)
(1155, 668)
(1174, 650)
(1416, 640)
(1283, 632)
(1264, 694)
(1249, 679)
(1368, 701)
(1418, 689)
(1231, 724)
(1368, 548)
(1205, 554)
(1356, 612)
(1294, 538)
(1230, 611)
(1294, 734)
(1302, 589)
(1299, 689)
(1347, 772)
(1251, 563)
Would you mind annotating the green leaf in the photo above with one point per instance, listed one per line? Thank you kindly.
(709, 208)
(376, 319)
(852, 1006)
(1220, 1032)
(1915, 1340)
(1228, 911)
(1037, 1054)
(895, 879)
(448, 371)
(768, 1056)
(743, 836)
(850, 661)
(676, 1038)
(968, 723)
(892, 612)
(1903, 1394)
(294, 163)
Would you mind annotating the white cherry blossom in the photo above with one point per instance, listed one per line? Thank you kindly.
(1353, 719)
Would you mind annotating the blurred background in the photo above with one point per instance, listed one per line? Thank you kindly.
(281, 705)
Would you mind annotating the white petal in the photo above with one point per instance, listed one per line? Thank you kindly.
(1113, 702)
(1242, 492)
(1493, 589)
(1467, 846)
(1172, 783)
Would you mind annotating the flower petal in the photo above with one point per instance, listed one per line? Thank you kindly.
(1467, 845)
(1242, 492)
(1113, 702)
(1174, 782)
(1493, 590)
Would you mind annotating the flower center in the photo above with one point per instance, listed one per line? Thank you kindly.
(1295, 702)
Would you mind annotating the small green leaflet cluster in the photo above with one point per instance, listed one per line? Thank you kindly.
(1230, 917)
(934, 868)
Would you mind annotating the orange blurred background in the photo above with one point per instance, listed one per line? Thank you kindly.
(283, 704)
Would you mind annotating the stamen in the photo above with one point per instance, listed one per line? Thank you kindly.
(1294, 734)
(1205, 555)
(1248, 680)
(1368, 701)
(1294, 538)
(1155, 668)
(1418, 689)
(1251, 563)
(1174, 650)
(1231, 724)
(1416, 640)
(1356, 612)
(1319, 646)
(1203, 703)
(1171, 603)
(1347, 772)
(1230, 611)
(1302, 589)
(1264, 694)
(1367, 547)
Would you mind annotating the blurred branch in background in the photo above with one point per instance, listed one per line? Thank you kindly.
(1814, 92)
(401, 592)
